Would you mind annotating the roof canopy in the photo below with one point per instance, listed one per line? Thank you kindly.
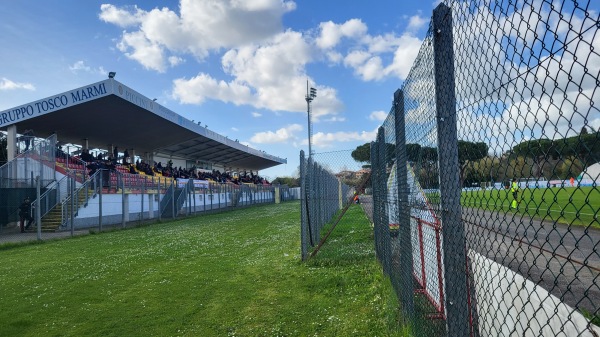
(109, 112)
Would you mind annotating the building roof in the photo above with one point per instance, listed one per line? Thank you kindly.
(108, 112)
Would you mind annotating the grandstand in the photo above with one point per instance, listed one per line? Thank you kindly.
(196, 173)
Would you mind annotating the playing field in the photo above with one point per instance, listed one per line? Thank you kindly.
(579, 206)
(230, 274)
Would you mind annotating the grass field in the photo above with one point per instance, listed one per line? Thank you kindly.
(230, 274)
(579, 206)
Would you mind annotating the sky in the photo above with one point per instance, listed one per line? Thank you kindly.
(239, 67)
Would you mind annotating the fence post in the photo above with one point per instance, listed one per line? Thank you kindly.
(384, 220)
(404, 240)
(100, 188)
(123, 206)
(375, 193)
(158, 194)
(453, 232)
(70, 182)
(173, 184)
(303, 209)
(142, 196)
(72, 190)
(38, 213)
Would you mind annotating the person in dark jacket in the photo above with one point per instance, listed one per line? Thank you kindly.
(25, 214)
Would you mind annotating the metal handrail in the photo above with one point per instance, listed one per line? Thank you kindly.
(85, 186)
(47, 203)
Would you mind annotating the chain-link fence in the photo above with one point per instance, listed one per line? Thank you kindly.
(330, 183)
(486, 171)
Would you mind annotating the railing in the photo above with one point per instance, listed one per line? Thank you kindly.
(39, 161)
(71, 204)
(54, 195)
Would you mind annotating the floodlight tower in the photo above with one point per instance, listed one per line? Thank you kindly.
(311, 93)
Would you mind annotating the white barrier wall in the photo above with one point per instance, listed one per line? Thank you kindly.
(510, 305)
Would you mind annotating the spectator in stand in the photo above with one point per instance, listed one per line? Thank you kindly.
(27, 137)
(116, 153)
(125, 157)
(132, 169)
(86, 156)
(59, 151)
(112, 160)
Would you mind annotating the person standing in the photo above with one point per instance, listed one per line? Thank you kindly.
(514, 188)
(125, 157)
(25, 214)
(115, 154)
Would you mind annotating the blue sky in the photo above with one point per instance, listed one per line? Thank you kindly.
(239, 67)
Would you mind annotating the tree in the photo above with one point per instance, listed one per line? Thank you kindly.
(412, 152)
(584, 131)
(469, 152)
(362, 153)
(289, 181)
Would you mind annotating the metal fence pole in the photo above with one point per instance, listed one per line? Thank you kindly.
(303, 209)
(453, 231)
(72, 193)
(38, 214)
(384, 221)
(173, 185)
(142, 199)
(374, 174)
(158, 194)
(100, 188)
(404, 237)
(123, 208)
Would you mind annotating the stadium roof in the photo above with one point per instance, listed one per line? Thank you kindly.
(109, 112)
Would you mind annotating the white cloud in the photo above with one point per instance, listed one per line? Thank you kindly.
(6, 84)
(175, 60)
(282, 135)
(356, 58)
(148, 53)
(265, 65)
(197, 89)
(199, 28)
(404, 56)
(366, 56)
(256, 114)
(332, 33)
(335, 119)
(378, 116)
(122, 17)
(233, 128)
(416, 22)
(267, 76)
(325, 140)
(81, 66)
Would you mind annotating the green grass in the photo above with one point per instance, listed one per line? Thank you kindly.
(578, 206)
(571, 206)
(228, 274)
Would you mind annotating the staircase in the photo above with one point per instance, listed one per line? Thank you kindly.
(52, 221)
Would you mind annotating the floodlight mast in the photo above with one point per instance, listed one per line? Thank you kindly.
(311, 93)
